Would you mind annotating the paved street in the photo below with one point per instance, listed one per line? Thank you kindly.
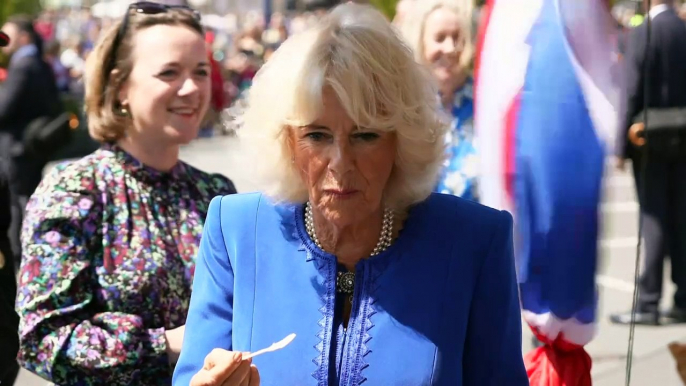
(652, 363)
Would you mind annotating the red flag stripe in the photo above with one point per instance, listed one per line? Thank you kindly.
(481, 34)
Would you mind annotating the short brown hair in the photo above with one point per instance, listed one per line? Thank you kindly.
(105, 122)
(24, 23)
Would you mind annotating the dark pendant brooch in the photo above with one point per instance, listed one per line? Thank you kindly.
(345, 283)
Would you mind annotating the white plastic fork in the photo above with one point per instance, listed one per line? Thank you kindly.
(274, 347)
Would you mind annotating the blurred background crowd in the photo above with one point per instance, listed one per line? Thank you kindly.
(240, 36)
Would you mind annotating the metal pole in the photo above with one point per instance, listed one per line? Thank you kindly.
(267, 12)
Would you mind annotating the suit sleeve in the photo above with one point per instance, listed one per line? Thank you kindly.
(493, 347)
(633, 93)
(12, 91)
(210, 316)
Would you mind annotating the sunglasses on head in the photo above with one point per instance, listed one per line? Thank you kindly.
(144, 8)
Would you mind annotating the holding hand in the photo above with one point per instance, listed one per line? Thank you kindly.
(226, 368)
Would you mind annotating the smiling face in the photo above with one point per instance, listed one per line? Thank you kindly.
(443, 44)
(345, 167)
(168, 91)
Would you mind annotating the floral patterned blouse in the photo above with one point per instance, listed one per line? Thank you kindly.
(108, 259)
(460, 171)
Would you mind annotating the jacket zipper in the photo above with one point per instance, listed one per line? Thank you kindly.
(346, 359)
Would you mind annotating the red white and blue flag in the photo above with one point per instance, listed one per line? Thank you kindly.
(546, 110)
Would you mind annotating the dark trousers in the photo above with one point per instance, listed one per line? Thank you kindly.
(23, 172)
(9, 321)
(662, 198)
(17, 208)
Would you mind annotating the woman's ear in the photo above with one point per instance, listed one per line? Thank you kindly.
(123, 92)
(290, 142)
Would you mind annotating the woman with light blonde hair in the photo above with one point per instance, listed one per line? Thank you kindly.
(440, 34)
(109, 240)
(346, 250)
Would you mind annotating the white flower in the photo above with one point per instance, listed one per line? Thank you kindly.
(468, 91)
(470, 165)
(449, 138)
(458, 100)
(455, 182)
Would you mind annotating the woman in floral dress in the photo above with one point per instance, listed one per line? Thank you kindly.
(109, 240)
(440, 31)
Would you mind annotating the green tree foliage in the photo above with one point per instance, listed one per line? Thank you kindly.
(386, 6)
(13, 7)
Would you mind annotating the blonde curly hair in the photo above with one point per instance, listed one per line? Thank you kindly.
(357, 53)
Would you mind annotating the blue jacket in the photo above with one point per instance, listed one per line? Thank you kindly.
(438, 307)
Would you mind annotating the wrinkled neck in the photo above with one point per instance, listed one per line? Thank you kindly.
(350, 243)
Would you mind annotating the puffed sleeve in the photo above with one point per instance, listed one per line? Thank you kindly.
(210, 316)
(493, 348)
(65, 336)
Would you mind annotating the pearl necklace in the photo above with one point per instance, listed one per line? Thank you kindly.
(345, 281)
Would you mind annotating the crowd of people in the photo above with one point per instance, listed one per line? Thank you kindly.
(136, 268)
(237, 50)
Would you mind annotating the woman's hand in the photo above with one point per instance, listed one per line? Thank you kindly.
(174, 342)
(226, 368)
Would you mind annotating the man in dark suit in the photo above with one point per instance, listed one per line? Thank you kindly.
(662, 187)
(28, 93)
(9, 320)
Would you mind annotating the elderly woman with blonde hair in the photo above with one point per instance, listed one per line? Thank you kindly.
(440, 34)
(380, 280)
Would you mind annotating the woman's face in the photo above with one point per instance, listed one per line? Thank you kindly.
(345, 167)
(168, 91)
(443, 43)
